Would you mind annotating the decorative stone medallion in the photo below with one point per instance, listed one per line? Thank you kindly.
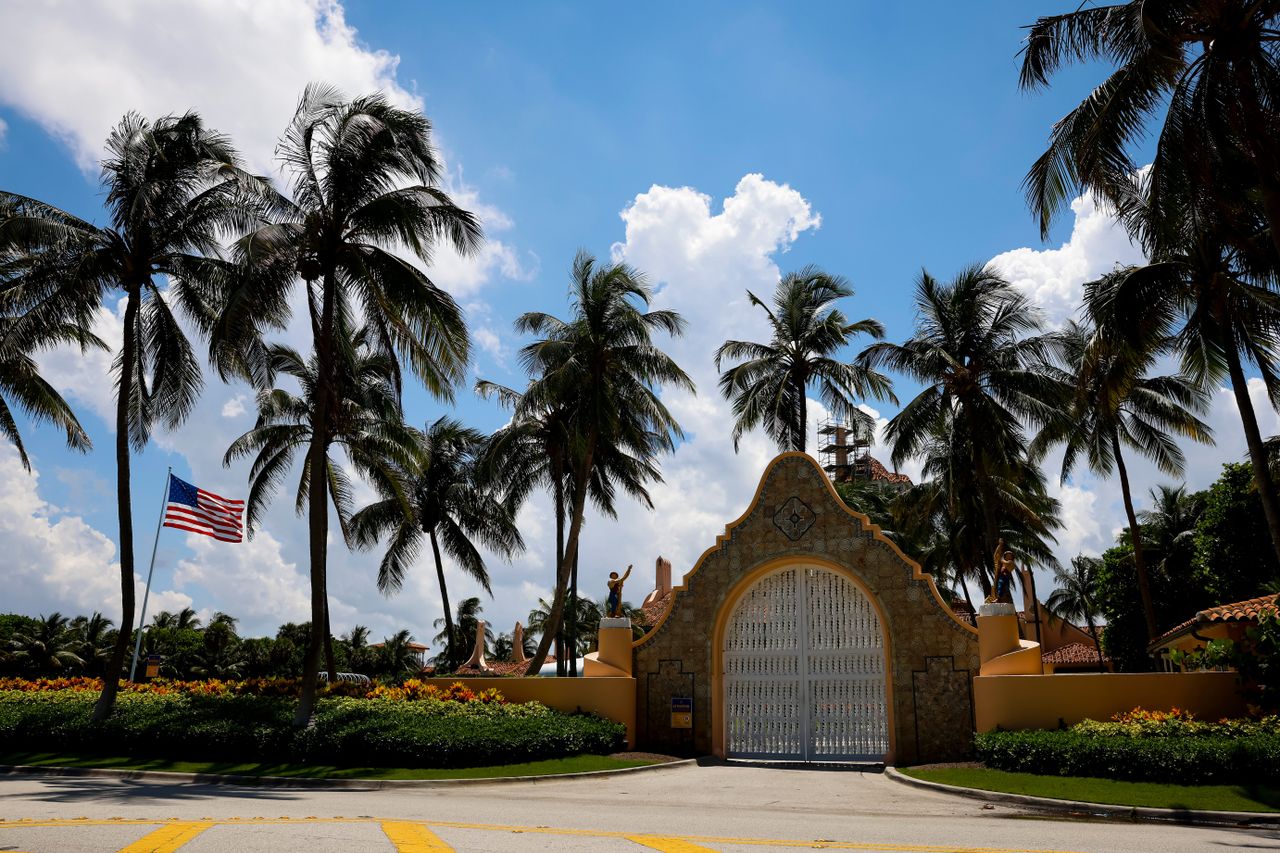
(794, 518)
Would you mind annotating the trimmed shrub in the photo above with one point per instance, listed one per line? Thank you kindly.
(1192, 759)
(427, 732)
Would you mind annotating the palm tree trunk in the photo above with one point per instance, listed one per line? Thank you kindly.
(1097, 643)
(1257, 453)
(572, 643)
(124, 509)
(329, 663)
(558, 497)
(449, 649)
(1135, 533)
(318, 503)
(803, 432)
(581, 479)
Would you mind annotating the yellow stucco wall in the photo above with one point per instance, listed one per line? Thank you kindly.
(1039, 701)
(613, 698)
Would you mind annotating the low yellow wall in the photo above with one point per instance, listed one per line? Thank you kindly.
(612, 698)
(1040, 701)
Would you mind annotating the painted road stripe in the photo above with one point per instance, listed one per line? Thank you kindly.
(818, 844)
(413, 838)
(667, 844)
(167, 838)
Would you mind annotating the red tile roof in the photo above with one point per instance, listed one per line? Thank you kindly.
(1238, 611)
(879, 472)
(652, 612)
(1074, 653)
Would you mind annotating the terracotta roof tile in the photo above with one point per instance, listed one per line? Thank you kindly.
(1073, 653)
(652, 612)
(879, 472)
(1238, 611)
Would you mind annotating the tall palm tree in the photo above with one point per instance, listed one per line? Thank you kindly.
(770, 383)
(983, 359)
(1206, 70)
(1169, 527)
(21, 384)
(48, 645)
(1218, 311)
(1075, 596)
(364, 419)
(365, 183)
(451, 503)
(174, 190)
(534, 451)
(1115, 404)
(184, 620)
(603, 367)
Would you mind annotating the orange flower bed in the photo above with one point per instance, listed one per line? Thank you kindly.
(411, 690)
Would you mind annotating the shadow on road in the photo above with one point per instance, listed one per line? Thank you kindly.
(63, 789)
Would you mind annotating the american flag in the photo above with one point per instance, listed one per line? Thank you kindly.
(195, 510)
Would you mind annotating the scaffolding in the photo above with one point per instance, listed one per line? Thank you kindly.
(845, 449)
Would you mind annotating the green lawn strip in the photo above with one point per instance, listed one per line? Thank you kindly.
(550, 767)
(1232, 798)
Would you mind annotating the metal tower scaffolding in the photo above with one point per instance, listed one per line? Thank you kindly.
(845, 449)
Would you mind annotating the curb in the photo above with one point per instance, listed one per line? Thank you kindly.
(304, 782)
(1082, 809)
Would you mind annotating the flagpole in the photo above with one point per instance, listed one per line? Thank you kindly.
(142, 618)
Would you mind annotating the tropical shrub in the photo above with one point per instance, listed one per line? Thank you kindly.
(411, 690)
(1157, 746)
(425, 731)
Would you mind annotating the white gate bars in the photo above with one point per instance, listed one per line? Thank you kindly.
(804, 671)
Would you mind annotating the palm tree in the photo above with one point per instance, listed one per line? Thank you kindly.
(22, 385)
(982, 358)
(1208, 68)
(365, 181)
(356, 645)
(460, 631)
(174, 189)
(1116, 405)
(395, 655)
(770, 383)
(450, 502)
(48, 645)
(1075, 594)
(184, 620)
(364, 419)
(226, 620)
(1212, 306)
(534, 450)
(220, 655)
(602, 367)
(94, 639)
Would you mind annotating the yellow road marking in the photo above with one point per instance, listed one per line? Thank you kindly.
(413, 838)
(166, 839)
(817, 844)
(667, 844)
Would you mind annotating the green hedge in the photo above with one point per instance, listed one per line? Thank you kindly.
(1192, 760)
(373, 732)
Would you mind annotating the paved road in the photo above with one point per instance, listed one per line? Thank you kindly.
(682, 810)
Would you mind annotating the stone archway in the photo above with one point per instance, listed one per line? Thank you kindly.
(797, 519)
(802, 662)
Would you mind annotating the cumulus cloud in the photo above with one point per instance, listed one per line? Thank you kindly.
(244, 74)
(56, 560)
(1055, 278)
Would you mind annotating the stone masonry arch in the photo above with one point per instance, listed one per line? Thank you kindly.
(796, 518)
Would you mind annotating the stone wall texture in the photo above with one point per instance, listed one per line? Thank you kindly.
(796, 514)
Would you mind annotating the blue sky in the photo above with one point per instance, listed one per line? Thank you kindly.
(885, 137)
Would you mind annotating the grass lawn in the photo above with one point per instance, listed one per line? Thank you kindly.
(551, 767)
(1234, 798)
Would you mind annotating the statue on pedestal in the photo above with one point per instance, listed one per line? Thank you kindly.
(1002, 567)
(613, 604)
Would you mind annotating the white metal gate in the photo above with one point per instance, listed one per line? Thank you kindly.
(804, 671)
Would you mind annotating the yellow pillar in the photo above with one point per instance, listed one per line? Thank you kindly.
(614, 655)
(1000, 649)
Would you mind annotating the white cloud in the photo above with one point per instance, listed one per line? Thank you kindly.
(240, 63)
(234, 407)
(4, 129)
(57, 560)
(1054, 278)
